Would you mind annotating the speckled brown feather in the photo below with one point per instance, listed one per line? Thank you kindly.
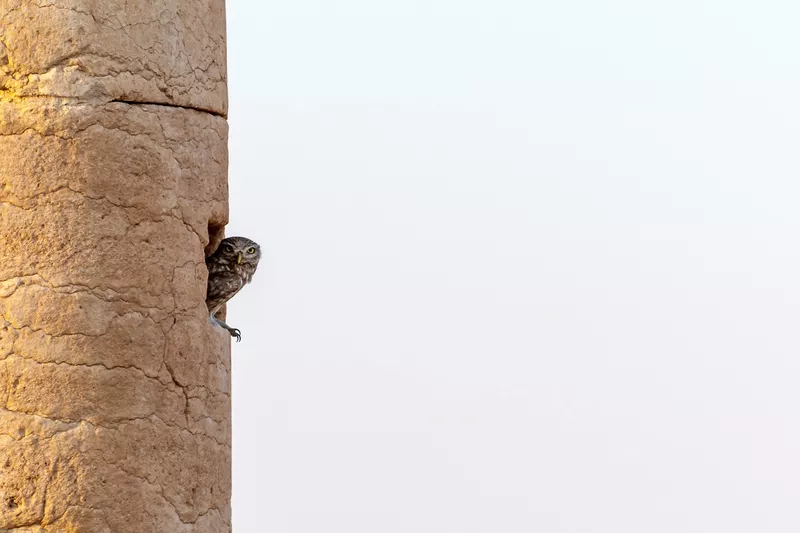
(227, 274)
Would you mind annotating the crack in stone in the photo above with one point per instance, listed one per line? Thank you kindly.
(110, 81)
(84, 365)
(43, 332)
(163, 104)
(75, 424)
(157, 218)
(33, 280)
(204, 68)
(163, 495)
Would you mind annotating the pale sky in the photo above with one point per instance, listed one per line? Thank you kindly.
(530, 266)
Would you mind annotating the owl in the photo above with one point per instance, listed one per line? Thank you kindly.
(230, 268)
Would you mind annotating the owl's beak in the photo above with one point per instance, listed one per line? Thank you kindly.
(239, 259)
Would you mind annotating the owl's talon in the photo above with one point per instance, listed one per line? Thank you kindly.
(235, 333)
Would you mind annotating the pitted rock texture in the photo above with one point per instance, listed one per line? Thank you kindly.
(114, 387)
(168, 52)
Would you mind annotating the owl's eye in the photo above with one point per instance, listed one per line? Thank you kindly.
(229, 248)
(251, 250)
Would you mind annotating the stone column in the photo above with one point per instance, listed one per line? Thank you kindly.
(114, 388)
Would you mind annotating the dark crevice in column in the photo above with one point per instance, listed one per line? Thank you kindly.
(199, 109)
(216, 232)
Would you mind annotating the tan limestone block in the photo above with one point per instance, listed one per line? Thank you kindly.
(158, 51)
(162, 161)
(96, 394)
(79, 477)
(114, 386)
(156, 452)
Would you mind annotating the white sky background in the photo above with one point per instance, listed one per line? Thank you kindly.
(530, 266)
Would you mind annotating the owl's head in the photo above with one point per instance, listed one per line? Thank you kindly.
(239, 251)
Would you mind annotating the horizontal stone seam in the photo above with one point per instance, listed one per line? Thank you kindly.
(9, 97)
(199, 109)
(84, 103)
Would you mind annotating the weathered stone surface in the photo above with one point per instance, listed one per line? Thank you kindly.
(114, 387)
(159, 51)
(137, 478)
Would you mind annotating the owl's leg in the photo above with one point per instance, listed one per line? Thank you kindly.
(235, 333)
